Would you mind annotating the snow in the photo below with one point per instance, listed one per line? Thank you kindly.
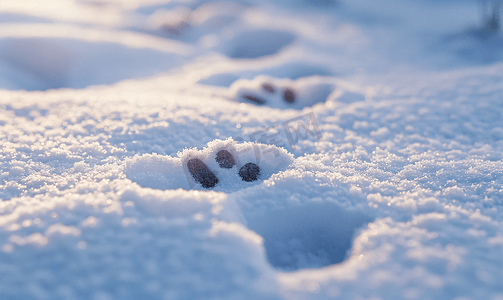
(381, 176)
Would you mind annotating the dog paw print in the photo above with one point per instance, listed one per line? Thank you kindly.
(222, 166)
(203, 175)
(229, 166)
(281, 93)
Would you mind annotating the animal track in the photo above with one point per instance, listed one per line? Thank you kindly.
(309, 235)
(254, 99)
(225, 159)
(268, 88)
(249, 172)
(297, 235)
(289, 95)
(222, 166)
(201, 173)
(281, 93)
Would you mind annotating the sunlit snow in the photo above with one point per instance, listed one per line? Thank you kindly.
(363, 149)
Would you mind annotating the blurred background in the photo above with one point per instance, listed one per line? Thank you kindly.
(48, 44)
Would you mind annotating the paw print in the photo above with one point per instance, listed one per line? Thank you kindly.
(203, 175)
(225, 166)
(229, 166)
(288, 94)
(281, 93)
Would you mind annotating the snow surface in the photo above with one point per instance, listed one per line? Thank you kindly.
(392, 190)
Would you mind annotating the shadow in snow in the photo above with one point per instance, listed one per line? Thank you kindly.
(308, 236)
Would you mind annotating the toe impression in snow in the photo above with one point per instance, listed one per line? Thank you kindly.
(254, 99)
(289, 95)
(225, 159)
(201, 173)
(249, 172)
(268, 88)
